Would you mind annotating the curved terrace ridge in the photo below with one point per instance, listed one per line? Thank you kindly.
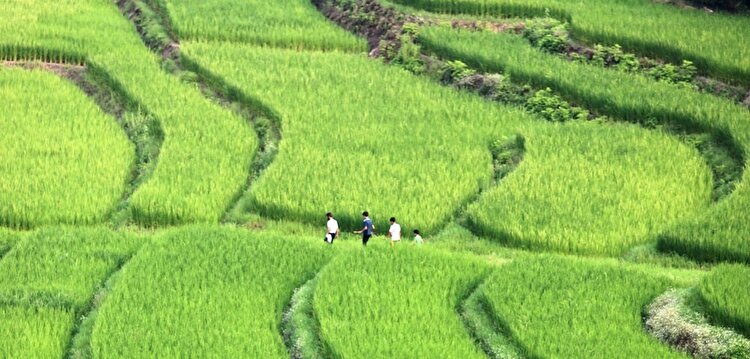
(400, 32)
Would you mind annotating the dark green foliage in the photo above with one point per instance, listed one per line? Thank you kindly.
(507, 154)
(547, 34)
(614, 56)
(454, 71)
(553, 108)
(408, 55)
(684, 73)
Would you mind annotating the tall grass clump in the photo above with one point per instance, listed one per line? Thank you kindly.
(725, 294)
(402, 303)
(63, 159)
(205, 292)
(714, 42)
(281, 23)
(716, 234)
(205, 158)
(557, 307)
(8, 239)
(33, 332)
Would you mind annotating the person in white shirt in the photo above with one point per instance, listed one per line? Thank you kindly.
(394, 232)
(332, 228)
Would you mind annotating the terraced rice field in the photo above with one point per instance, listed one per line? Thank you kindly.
(166, 167)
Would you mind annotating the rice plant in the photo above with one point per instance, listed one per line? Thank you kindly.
(358, 135)
(61, 267)
(716, 43)
(383, 303)
(8, 239)
(716, 234)
(725, 294)
(205, 158)
(557, 307)
(591, 188)
(279, 23)
(62, 159)
(29, 332)
(205, 292)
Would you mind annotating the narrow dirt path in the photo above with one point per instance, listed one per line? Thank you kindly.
(486, 330)
(300, 328)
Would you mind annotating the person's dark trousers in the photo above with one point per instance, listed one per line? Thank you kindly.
(365, 238)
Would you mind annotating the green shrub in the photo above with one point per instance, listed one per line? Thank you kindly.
(614, 56)
(547, 34)
(454, 71)
(553, 108)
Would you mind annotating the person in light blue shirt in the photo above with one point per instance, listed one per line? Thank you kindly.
(418, 238)
(367, 228)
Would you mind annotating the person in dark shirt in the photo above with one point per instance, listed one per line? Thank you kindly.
(367, 228)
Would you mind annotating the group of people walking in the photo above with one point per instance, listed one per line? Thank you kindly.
(368, 229)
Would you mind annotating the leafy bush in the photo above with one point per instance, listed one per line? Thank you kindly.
(547, 34)
(454, 71)
(684, 73)
(408, 55)
(553, 108)
(614, 56)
